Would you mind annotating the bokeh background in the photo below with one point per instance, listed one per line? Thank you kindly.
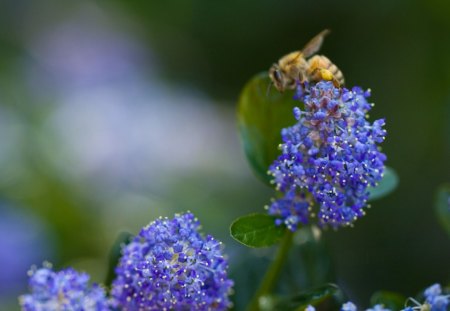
(113, 113)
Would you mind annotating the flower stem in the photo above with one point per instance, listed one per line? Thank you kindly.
(271, 276)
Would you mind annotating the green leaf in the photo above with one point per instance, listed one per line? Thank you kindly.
(261, 117)
(385, 186)
(114, 255)
(256, 230)
(390, 300)
(318, 296)
(442, 206)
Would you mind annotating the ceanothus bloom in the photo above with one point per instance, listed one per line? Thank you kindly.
(434, 298)
(65, 290)
(328, 158)
(171, 266)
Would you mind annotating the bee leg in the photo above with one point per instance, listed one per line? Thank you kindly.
(301, 78)
(301, 90)
(268, 88)
(301, 86)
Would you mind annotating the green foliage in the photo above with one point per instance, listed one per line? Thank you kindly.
(322, 295)
(309, 263)
(247, 273)
(391, 300)
(116, 250)
(442, 206)
(385, 186)
(256, 230)
(261, 117)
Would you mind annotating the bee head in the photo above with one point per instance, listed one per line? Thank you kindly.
(276, 75)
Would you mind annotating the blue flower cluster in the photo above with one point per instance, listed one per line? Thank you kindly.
(66, 290)
(329, 157)
(435, 300)
(170, 266)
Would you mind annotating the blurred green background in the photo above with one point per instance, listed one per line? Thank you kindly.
(113, 113)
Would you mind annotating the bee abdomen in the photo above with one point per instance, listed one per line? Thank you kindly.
(321, 61)
(337, 73)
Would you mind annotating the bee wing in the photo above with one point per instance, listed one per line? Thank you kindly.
(313, 46)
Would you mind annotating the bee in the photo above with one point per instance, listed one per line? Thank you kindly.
(299, 66)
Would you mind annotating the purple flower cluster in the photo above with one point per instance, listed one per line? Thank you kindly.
(329, 157)
(66, 290)
(170, 266)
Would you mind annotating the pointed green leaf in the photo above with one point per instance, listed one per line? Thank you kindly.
(385, 186)
(261, 117)
(256, 230)
(442, 206)
(390, 300)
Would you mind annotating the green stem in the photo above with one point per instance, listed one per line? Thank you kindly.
(273, 272)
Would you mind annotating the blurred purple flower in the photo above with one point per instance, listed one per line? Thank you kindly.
(65, 290)
(24, 241)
